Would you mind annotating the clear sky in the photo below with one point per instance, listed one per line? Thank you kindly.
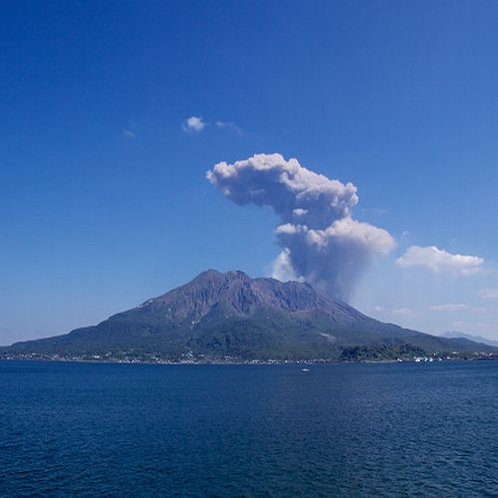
(112, 112)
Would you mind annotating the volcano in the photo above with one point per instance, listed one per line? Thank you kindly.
(232, 317)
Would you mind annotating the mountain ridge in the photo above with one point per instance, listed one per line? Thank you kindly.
(230, 316)
(456, 334)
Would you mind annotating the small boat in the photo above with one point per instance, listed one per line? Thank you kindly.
(306, 369)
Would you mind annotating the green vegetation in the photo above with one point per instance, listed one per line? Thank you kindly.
(382, 352)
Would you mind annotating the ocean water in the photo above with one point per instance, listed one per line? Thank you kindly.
(70, 429)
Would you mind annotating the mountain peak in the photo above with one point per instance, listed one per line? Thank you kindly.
(218, 315)
(216, 275)
(238, 294)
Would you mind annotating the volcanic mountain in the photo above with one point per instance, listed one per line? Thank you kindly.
(231, 317)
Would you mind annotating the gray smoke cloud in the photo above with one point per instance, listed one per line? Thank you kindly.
(321, 242)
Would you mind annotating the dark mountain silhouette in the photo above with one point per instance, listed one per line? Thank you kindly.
(229, 316)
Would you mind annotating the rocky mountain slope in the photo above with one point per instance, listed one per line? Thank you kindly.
(229, 316)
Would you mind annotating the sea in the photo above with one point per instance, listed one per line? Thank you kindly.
(132, 430)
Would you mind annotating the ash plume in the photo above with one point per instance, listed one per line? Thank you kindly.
(321, 242)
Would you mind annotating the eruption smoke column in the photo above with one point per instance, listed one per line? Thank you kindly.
(321, 243)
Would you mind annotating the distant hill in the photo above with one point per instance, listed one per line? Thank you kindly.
(231, 317)
(476, 338)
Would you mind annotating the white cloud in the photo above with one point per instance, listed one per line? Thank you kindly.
(438, 260)
(320, 240)
(282, 267)
(489, 293)
(450, 307)
(396, 314)
(404, 312)
(194, 124)
(129, 134)
(228, 126)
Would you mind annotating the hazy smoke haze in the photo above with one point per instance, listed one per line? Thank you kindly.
(321, 242)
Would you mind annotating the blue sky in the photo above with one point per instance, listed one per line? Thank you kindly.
(103, 193)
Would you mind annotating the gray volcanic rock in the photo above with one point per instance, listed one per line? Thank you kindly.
(219, 316)
(241, 296)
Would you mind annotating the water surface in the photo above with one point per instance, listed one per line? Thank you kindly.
(255, 431)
